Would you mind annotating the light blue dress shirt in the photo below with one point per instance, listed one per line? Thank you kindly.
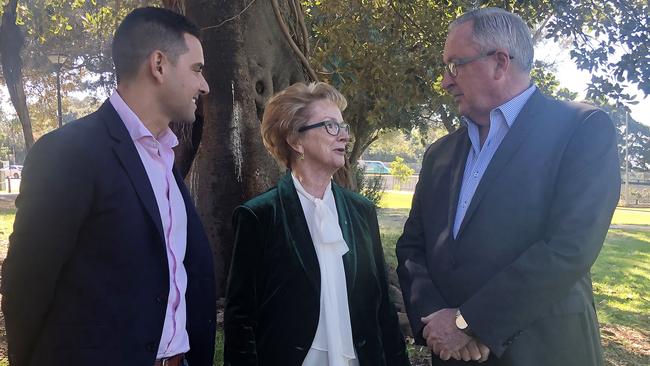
(478, 158)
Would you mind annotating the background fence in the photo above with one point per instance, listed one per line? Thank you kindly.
(639, 189)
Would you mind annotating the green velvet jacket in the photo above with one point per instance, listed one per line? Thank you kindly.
(272, 300)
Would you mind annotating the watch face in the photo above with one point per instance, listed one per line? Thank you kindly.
(460, 322)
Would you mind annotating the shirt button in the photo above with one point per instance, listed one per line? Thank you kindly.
(475, 174)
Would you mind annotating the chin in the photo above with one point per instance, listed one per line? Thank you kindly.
(187, 120)
(333, 168)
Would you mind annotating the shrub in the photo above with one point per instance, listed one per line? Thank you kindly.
(400, 171)
(370, 186)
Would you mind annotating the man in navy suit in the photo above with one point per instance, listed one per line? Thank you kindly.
(108, 263)
(510, 211)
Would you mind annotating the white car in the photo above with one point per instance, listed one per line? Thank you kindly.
(13, 171)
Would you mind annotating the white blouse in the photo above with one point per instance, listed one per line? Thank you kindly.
(332, 344)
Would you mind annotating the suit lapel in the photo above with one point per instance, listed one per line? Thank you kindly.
(128, 155)
(297, 229)
(459, 160)
(525, 121)
(345, 222)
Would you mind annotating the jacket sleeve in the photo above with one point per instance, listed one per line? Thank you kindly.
(240, 317)
(421, 296)
(56, 196)
(586, 193)
(392, 337)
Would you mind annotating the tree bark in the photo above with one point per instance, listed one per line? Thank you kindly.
(247, 59)
(11, 42)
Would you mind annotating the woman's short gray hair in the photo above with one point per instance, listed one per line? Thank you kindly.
(497, 28)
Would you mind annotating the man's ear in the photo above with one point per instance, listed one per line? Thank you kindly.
(503, 64)
(156, 64)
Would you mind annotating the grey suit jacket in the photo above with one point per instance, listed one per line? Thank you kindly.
(519, 267)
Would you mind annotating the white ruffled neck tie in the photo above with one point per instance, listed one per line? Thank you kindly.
(334, 333)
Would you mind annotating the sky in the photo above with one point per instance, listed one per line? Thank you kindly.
(576, 80)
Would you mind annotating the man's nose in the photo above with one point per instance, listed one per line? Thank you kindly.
(204, 88)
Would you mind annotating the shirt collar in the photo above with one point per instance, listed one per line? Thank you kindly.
(511, 108)
(301, 190)
(506, 112)
(134, 125)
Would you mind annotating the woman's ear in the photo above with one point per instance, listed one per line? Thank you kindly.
(295, 144)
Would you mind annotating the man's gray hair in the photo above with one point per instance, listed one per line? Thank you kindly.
(498, 28)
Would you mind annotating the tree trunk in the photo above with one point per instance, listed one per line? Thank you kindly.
(247, 59)
(11, 42)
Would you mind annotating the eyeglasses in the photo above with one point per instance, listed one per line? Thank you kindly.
(452, 67)
(332, 127)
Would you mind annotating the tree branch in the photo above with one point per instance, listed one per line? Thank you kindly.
(294, 47)
(303, 27)
(229, 19)
(539, 30)
(406, 18)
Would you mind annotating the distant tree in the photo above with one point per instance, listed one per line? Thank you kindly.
(11, 43)
(395, 143)
(385, 55)
(400, 171)
(80, 30)
(543, 75)
(12, 144)
(636, 137)
(410, 145)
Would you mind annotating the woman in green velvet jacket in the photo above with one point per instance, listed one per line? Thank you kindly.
(307, 284)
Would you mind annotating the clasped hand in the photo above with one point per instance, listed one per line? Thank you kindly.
(447, 341)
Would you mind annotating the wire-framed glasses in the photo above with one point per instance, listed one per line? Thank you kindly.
(452, 67)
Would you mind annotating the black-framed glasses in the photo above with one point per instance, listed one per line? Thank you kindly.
(452, 67)
(332, 127)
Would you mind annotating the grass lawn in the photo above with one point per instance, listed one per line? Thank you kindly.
(631, 216)
(396, 199)
(6, 227)
(622, 215)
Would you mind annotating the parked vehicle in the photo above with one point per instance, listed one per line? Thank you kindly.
(374, 167)
(13, 171)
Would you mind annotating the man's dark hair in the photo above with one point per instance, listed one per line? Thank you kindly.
(145, 30)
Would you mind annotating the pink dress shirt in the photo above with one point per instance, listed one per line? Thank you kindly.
(158, 159)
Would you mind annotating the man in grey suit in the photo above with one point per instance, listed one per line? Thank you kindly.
(510, 212)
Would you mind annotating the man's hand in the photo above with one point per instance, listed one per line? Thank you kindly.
(474, 351)
(442, 336)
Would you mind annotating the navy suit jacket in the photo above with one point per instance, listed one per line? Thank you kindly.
(86, 278)
(519, 266)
